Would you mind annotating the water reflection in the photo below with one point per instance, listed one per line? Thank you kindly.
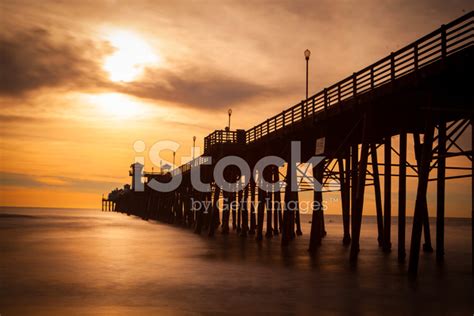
(58, 261)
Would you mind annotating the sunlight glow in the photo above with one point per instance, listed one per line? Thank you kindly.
(131, 57)
(118, 106)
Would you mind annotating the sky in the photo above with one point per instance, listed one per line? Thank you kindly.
(82, 81)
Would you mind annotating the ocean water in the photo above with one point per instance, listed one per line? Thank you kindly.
(87, 262)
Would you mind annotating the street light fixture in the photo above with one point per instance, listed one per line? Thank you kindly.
(194, 145)
(307, 53)
(230, 113)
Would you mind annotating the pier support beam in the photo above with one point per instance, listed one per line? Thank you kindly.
(359, 203)
(232, 197)
(288, 212)
(387, 216)
(206, 220)
(252, 206)
(426, 220)
(276, 201)
(354, 182)
(214, 218)
(346, 197)
(299, 231)
(378, 194)
(427, 246)
(295, 227)
(245, 212)
(226, 206)
(240, 194)
(200, 201)
(420, 204)
(316, 220)
(260, 211)
(268, 202)
(440, 190)
(402, 183)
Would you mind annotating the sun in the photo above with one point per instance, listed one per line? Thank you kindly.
(117, 106)
(132, 55)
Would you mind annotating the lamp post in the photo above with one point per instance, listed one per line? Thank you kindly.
(230, 113)
(194, 145)
(307, 53)
(174, 155)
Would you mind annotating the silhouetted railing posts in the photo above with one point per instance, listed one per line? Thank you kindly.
(443, 41)
(436, 45)
(372, 80)
(415, 57)
(392, 66)
(325, 99)
(354, 84)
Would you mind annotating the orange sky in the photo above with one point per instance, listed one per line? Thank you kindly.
(81, 81)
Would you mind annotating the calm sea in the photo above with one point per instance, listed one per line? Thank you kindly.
(86, 262)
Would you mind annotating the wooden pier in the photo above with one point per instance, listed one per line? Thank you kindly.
(422, 92)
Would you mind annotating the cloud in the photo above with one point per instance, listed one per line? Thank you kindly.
(195, 87)
(14, 119)
(33, 58)
(8, 179)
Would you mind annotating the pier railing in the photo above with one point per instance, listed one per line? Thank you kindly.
(446, 40)
(223, 136)
(201, 160)
(435, 46)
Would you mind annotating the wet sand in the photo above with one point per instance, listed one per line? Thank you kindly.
(85, 262)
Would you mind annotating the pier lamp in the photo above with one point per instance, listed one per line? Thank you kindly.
(194, 145)
(230, 113)
(307, 53)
